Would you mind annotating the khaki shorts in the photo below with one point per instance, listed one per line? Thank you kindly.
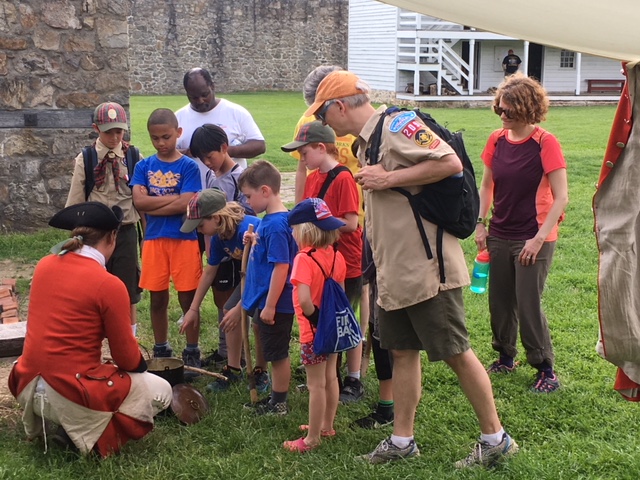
(435, 325)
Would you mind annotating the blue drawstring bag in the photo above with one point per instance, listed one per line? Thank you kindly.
(337, 329)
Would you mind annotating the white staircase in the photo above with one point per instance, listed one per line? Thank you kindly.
(423, 46)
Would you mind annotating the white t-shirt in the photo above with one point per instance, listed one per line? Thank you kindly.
(234, 119)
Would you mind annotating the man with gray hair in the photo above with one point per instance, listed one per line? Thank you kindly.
(417, 311)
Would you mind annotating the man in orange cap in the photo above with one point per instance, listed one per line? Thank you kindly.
(417, 311)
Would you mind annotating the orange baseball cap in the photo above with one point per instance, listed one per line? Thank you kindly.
(338, 84)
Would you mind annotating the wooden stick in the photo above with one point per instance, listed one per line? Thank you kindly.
(366, 356)
(186, 367)
(206, 372)
(253, 392)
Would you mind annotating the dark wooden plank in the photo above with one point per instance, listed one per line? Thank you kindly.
(79, 118)
(12, 339)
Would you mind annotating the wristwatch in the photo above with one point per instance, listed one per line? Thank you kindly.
(482, 220)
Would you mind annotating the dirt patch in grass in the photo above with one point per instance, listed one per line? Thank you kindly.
(19, 271)
(14, 269)
(7, 402)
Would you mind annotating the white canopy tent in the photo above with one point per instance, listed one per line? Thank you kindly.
(608, 29)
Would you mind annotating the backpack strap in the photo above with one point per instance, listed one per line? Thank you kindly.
(374, 150)
(132, 156)
(326, 277)
(416, 215)
(90, 158)
(373, 157)
(236, 190)
(331, 176)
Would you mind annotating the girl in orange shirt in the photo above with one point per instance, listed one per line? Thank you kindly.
(315, 230)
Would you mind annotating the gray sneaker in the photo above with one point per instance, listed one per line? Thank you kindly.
(387, 452)
(162, 352)
(489, 455)
(191, 358)
(269, 408)
(352, 391)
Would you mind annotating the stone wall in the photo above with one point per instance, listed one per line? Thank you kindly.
(58, 60)
(248, 44)
(61, 58)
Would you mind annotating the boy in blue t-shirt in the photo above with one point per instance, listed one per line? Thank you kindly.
(162, 186)
(268, 289)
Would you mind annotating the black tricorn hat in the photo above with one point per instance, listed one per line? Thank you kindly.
(89, 214)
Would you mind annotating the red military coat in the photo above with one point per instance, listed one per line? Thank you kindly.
(74, 304)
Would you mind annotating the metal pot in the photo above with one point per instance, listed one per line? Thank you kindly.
(171, 369)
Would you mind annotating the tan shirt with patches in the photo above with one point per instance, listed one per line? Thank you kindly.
(106, 193)
(405, 276)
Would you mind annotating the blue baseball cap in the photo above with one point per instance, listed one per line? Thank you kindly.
(316, 211)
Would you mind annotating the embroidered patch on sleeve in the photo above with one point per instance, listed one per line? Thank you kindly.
(425, 138)
(411, 128)
(400, 121)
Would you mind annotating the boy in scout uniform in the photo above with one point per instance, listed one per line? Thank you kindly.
(111, 187)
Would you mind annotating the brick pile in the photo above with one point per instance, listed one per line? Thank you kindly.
(8, 302)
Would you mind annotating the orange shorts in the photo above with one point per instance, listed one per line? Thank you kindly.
(169, 258)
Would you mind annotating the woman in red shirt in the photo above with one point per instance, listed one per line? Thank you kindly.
(525, 179)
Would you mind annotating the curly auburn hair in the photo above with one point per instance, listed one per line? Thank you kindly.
(526, 98)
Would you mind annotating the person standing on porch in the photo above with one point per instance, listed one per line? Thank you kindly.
(510, 63)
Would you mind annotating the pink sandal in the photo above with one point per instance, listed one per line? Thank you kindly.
(323, 433)
(298, 446)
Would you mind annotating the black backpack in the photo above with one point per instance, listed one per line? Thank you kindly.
(453, 204)
(90, 157)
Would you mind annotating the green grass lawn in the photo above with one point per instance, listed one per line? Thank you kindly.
(583, 431)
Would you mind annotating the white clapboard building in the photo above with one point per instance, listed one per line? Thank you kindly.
(394, 49)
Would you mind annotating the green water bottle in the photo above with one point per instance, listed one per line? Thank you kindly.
(480, 272)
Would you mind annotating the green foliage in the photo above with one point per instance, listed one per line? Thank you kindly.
(583, 431)
(29, 247)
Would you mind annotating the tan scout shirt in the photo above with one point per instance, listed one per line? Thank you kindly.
(405, 276)
(106, 193)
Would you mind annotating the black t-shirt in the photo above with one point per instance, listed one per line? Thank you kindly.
(511, 63)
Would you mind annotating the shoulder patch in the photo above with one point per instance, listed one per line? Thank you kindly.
(411, 128)
(425, 138)
(400, 121)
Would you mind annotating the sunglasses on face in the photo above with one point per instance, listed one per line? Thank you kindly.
(499, 111)
(321, 114)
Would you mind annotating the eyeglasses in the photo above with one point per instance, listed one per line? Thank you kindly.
(499, 111)
(320, 115)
